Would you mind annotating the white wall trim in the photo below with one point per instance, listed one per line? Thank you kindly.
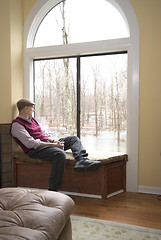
(149, 190)
(131, 44)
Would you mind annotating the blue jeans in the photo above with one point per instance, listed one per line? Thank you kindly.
(58, 158)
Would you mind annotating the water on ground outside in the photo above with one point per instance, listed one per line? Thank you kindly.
(106, 142)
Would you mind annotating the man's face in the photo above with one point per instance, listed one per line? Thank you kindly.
(30, 110)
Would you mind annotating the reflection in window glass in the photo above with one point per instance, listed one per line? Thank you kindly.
(75, 21)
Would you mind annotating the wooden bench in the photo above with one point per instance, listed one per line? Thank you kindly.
(110, 178)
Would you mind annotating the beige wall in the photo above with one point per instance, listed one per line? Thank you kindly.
(11, 64)
(13, 13)
(16, 49)
(5, 63)
(149, 18)
(27, 6)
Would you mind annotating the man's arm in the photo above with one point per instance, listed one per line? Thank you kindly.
(19, 132)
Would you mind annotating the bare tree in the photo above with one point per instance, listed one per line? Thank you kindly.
(66, 62)
(50, 89)
(96, 103)
(42, 73)
(118, 102)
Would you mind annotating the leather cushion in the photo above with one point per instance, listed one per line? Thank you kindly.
(105, 158)
(33, 214)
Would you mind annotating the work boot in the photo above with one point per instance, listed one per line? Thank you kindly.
(85, 165)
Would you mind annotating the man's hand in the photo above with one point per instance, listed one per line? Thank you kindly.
(58, 144)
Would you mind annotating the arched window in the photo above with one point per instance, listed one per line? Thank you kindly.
(82, 68)
(73, 21)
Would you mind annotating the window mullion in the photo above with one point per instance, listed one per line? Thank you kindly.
(78, 96)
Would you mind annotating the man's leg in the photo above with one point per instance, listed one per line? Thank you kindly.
(74, 143)
(80, 154)
(58, 159)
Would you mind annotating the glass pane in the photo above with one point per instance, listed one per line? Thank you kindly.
(103, 100)
(75, 21)
(104, 103)
(55, 96)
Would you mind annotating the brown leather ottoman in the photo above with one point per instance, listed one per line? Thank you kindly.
(34, 215)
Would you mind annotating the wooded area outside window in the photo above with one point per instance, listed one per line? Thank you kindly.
(84, 96)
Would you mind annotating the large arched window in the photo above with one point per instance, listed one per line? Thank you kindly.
(80, 21)
(81, 68)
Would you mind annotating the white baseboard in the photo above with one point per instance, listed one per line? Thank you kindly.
(91, 195)
(81, 194)
(150, 190)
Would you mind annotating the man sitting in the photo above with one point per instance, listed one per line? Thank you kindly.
(28, 134)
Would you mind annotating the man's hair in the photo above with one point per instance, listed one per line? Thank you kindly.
(23, 103)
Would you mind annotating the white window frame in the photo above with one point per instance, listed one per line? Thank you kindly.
(131, 44)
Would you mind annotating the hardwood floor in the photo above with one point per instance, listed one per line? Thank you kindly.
(130, 208)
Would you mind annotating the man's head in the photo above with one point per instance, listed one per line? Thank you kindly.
(22, 103)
